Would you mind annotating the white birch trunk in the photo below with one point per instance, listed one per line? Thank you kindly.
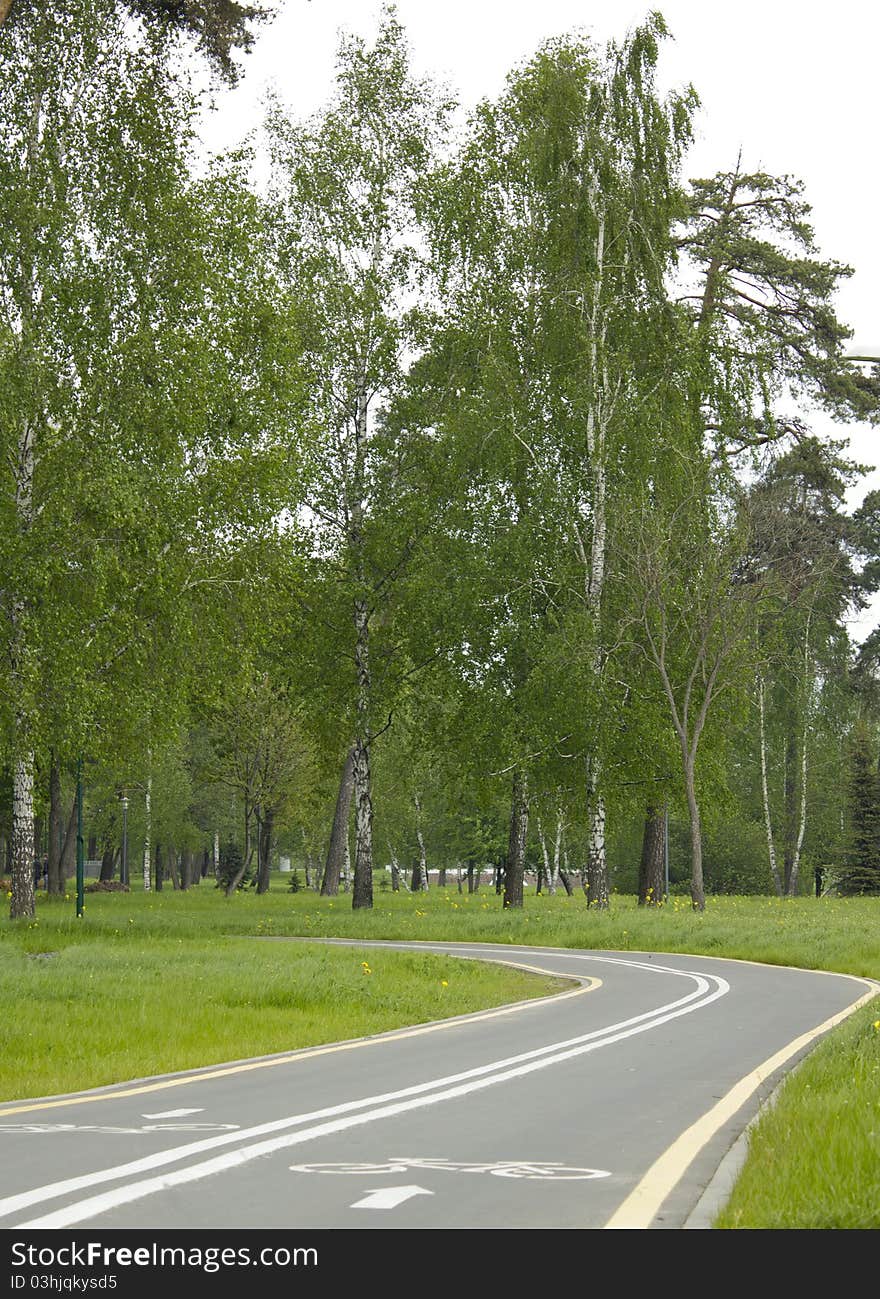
(771, 847)
(542, 840)
(363, 795)
(554, 872)
(148, 829)
(346, 867)
(423, 857)
(802, 819)
(22, 903)
(599, 416)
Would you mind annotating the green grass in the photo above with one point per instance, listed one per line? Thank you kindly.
(145, 985)
(814, 1156)
(152, 983)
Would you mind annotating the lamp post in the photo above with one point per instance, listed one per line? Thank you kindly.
(123, 873)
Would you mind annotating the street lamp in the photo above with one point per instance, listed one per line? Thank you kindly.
(123, 873)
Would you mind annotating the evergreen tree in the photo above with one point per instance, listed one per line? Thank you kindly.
(861, 873)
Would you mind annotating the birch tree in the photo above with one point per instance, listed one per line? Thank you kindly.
(88, 122)
(120, 284)
(698, 599)
(348, 191)
(559, 227)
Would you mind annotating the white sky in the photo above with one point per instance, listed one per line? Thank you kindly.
(793, 83)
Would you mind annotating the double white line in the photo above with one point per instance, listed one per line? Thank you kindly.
(338, 1118)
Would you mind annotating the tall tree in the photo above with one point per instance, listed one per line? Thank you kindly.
(558, 234)
(348, 191)
(814, 550)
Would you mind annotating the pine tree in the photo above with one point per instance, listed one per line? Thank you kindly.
(862, 870)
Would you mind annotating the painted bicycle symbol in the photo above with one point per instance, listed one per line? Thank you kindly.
(531, 1170)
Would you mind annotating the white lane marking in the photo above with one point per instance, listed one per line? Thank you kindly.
(44, 1129)
(643, 1203)
(172, 1114)
(388, 1197)
(38, 1195)
(478, 1080)
(533, 1170)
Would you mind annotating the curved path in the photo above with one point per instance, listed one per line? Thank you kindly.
(609, 1105)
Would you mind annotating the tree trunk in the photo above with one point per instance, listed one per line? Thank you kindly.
(22, 903)
(790, 831)
(768, 824)
(473, 883)
(68, 852)
(158, 867)
(18, 602)
(172, 867)
(346, 867)
(441, 877)
(791, 881)
(339, 833)
(566, 882)
(698, 896)
(55, 882)
(188, 875)
(544, 864)
(652, 873)
(516, 850)
(423, 859)
(597, 866)
(148, 830)
(362, 894)
(108, 863)
(395, 872)
(266, 830)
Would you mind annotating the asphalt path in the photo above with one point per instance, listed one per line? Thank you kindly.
(612, 1104)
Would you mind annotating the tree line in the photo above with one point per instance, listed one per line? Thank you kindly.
(397, 486)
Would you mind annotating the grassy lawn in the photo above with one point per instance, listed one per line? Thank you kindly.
(152, 983)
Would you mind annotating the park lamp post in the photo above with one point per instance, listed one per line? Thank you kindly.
(123, 873)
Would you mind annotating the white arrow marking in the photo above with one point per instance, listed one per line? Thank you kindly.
(388, 1197)
(172, 1114)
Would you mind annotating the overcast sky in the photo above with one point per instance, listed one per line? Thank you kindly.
(792, 83)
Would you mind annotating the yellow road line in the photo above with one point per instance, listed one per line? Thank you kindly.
(641, 1206)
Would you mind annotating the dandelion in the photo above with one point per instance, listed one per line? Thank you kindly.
(877, 1025)
(444, 983)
